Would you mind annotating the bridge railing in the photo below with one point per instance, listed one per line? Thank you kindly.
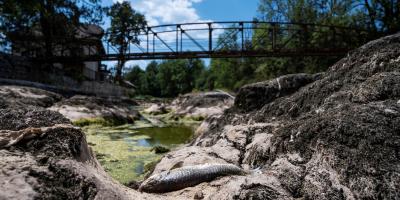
(217, 39)
(214, 38)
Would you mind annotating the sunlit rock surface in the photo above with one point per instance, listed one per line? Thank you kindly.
(202, 104)
(18, 96)
(87, 107)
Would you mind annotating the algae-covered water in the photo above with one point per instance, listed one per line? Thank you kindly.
(126, 151)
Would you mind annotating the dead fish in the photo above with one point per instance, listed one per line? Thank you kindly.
(187, 176)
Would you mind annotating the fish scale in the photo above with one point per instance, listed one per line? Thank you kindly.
(187, 176)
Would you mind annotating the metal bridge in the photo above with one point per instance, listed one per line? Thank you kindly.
(233, 39)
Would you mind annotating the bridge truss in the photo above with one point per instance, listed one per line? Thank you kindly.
(231, 40)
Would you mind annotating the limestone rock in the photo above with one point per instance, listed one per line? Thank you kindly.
(201, 105)
(86, 107)
(156, 109)
(256, 95)
(18, 96)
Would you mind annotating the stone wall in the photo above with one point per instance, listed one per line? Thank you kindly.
(17, 70)
(17, 67)
(83, 88)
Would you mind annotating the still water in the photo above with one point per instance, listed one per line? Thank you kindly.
(125, 152)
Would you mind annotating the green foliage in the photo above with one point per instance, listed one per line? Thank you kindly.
(151, 84)
(137, 77)
(168, 78)
(56, 20)
(126, 24)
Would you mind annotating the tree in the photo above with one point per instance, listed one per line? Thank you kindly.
(126, 24)
(173, 77)
(152, 86)
(137, 77)
(169, 78)
(326, 12)
(56, 20)
(382, 15)
(230, 73)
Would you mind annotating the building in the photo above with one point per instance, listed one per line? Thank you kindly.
(87, 42)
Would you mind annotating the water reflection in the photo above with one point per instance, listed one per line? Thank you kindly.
(166, 136)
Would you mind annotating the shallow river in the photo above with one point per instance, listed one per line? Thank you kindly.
(126, 152)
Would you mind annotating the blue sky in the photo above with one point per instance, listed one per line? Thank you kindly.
(226, 10)
(194, 10)
(180, 11)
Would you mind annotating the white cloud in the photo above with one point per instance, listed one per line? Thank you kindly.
(167, 11)
(160, 12)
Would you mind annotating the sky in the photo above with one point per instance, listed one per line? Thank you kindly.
(181, 11)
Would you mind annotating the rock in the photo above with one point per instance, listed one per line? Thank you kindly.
(158, 149)
(18, 96)
(201, 105)
(198, 195)
(328, 136)
(118, 111)
(256, 95)
(134, 185)
(156, 109)
(54, 163)
(22, 118)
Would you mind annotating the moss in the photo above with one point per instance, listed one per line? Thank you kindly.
(196, 118)
(109, 121)
(172, 119)
(88, 121)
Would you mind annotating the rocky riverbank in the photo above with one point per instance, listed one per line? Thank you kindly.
(334, 135)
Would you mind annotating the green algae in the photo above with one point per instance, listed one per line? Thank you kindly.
(110, 121)
(88, 121)
(125, 151)
(171, 118)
